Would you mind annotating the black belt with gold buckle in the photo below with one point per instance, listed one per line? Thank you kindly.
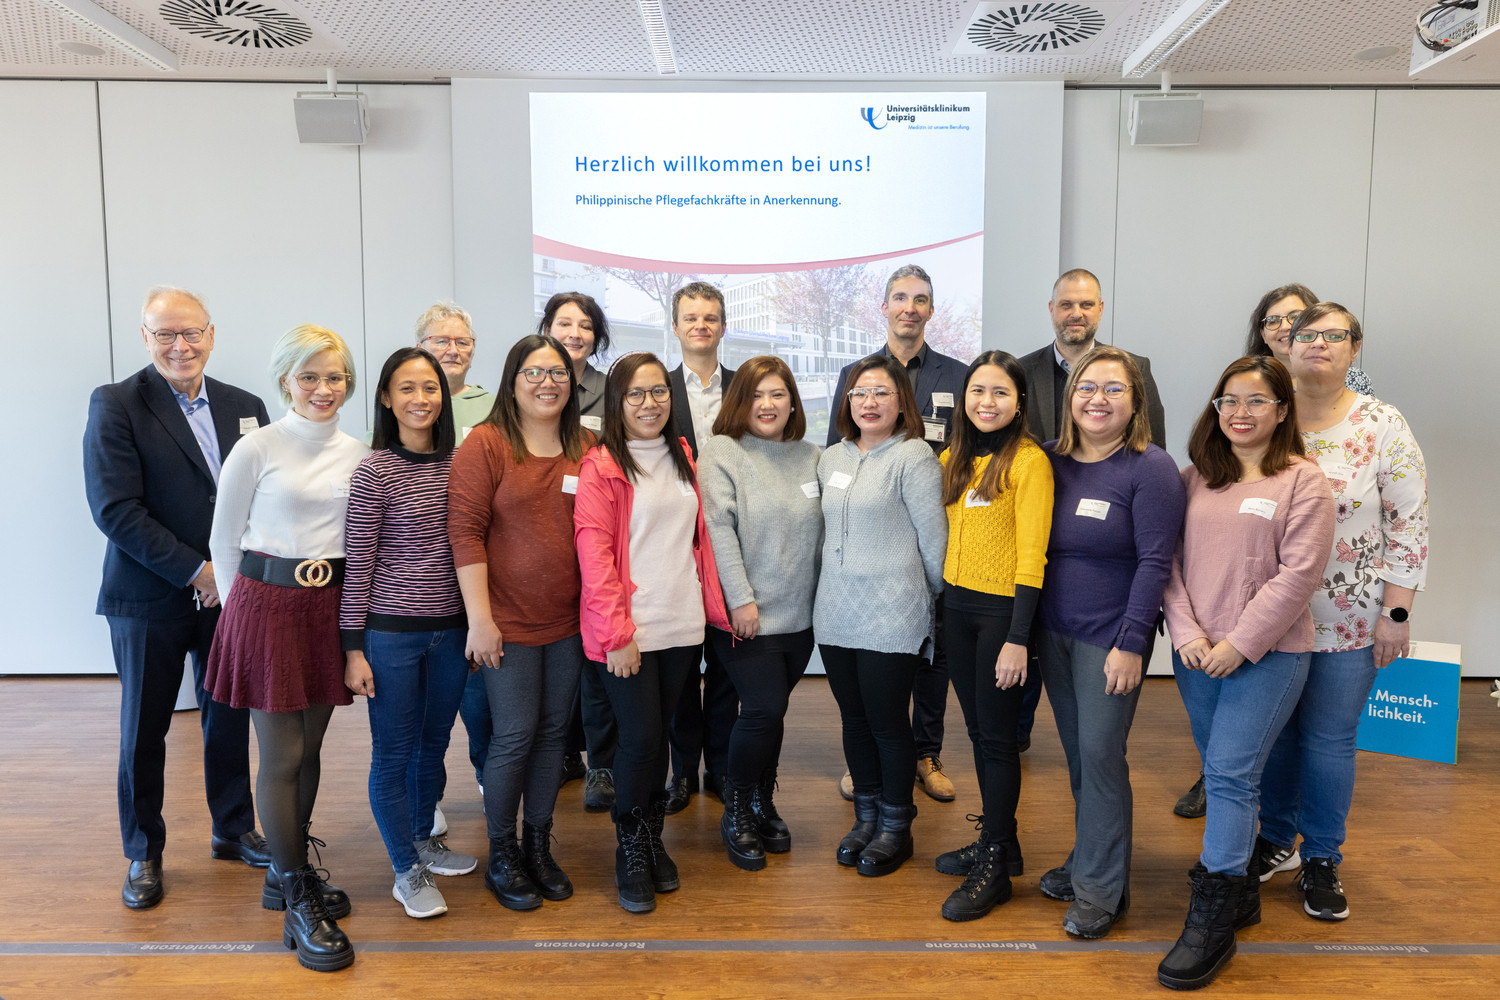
(292, 572)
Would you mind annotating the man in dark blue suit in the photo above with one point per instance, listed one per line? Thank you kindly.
(151, 457)
(702, 723)
(938, 382)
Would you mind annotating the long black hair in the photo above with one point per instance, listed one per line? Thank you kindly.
(506, 413)
(963, 436)
(387, 430)
(614, 440)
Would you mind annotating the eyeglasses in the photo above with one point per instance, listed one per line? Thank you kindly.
(443, 343)
(1329, 336)
(535, 375)
(311, 380)
(167, 338)
(1112, 390)
(876, 392)
(660, 393)
(1254, 406)
(1272, 322)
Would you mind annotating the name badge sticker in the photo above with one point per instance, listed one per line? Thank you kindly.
(686, 489)
(463, 433)
(933, 430)
(942, 399)
(810, 490)
(1093, 508)
(840, 480)
(595, 424)
(570, 484)
(971, 499)
(248, 424)
(1259, 506)
(340, 487)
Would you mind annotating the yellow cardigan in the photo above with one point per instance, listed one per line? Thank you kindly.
(992, 548)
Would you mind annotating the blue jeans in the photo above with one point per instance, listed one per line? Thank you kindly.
(419, 679)
(475, 711)
(1235, 720)
(1309, 780)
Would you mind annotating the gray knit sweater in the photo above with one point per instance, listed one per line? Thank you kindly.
(760, 500)
(885, 535)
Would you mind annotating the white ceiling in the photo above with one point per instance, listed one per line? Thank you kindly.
(1307, 42)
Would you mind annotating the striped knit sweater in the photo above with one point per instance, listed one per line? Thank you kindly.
(399, 577)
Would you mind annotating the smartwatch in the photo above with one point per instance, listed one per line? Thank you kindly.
(1397, 615)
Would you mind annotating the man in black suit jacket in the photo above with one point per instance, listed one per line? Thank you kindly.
(702, 722)
(1076, 306)
(152, 451)
(938, 382)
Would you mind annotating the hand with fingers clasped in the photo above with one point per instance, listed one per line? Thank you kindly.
(1217, 661)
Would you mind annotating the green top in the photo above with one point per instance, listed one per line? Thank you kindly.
(470, 408)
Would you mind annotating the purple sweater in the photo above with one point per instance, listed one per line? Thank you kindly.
(1251, 556)
(1115, 525)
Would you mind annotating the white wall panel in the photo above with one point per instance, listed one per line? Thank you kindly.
(1434, 249)
(207, 187)
(55, 312)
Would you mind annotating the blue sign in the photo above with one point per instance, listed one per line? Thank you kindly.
(1413, 707)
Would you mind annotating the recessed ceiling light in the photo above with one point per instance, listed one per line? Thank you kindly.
(1377, 53)
(80, 49)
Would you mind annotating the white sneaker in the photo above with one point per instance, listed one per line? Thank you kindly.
(440, 860)
(439, 821)
(418, 892)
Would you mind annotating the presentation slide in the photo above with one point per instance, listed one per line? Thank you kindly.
(797, 205)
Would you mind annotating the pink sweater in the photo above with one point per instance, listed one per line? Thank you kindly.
(1250, 558)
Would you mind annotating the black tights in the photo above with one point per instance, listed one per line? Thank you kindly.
(287, 785)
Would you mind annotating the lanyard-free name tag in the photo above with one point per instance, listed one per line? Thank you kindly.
(1341, 471)
(686, 489)
(595, 424)
(942, 399)
(570, 484)
(1098, 509)
(340, 487)
(972, 499)
(810, 490)
(1259, 506)
(933, 430)
(463, 433)
(840, 481)
(248, 424)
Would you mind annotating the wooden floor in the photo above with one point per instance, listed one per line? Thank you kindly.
(1421, 876)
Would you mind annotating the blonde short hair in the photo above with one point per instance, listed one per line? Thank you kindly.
(301, 343)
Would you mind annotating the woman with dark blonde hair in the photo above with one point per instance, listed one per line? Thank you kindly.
(1117, 514)
(884, 536)
(1259, 523)
(760, 499)
(650, 588)
(997, 493)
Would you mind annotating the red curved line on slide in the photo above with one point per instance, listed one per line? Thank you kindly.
(598, 258)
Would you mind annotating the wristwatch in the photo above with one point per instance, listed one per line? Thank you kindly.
(1397, 615)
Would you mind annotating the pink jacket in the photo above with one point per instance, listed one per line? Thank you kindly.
(601, 530)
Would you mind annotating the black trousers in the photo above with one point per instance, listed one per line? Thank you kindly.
(149, 656)
(764, 671)
(872, 690)
(929, 696)
(642, 705)
(703, 721)
(974, 641)
(593, 728)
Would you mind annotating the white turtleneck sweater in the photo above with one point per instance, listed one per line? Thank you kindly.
(283, 491)
(667, 605)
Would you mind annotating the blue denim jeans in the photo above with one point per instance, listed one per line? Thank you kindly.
(1235, 720)
(475, 711)
(419, 679)
(1309, 780)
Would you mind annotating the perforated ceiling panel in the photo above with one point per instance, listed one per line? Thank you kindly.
(1251, 41)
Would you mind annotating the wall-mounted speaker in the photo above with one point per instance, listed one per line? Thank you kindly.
(339, 119)
(1165, 119)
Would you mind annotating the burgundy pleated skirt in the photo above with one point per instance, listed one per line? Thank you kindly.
(277, 649)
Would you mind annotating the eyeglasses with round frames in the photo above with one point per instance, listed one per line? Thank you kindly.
(535, 375)
(1112, 390)
(637, 396)
(311, 380)
(1255, 405)
(1273, 322)
(167, 338)
(1329, 336)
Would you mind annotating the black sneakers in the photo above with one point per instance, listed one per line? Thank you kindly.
(1322, 893)
(1271, 858)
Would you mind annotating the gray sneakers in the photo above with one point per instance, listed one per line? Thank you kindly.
(417, 891)
(436, 857)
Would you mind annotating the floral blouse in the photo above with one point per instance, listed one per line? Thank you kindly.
(1379, 485)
